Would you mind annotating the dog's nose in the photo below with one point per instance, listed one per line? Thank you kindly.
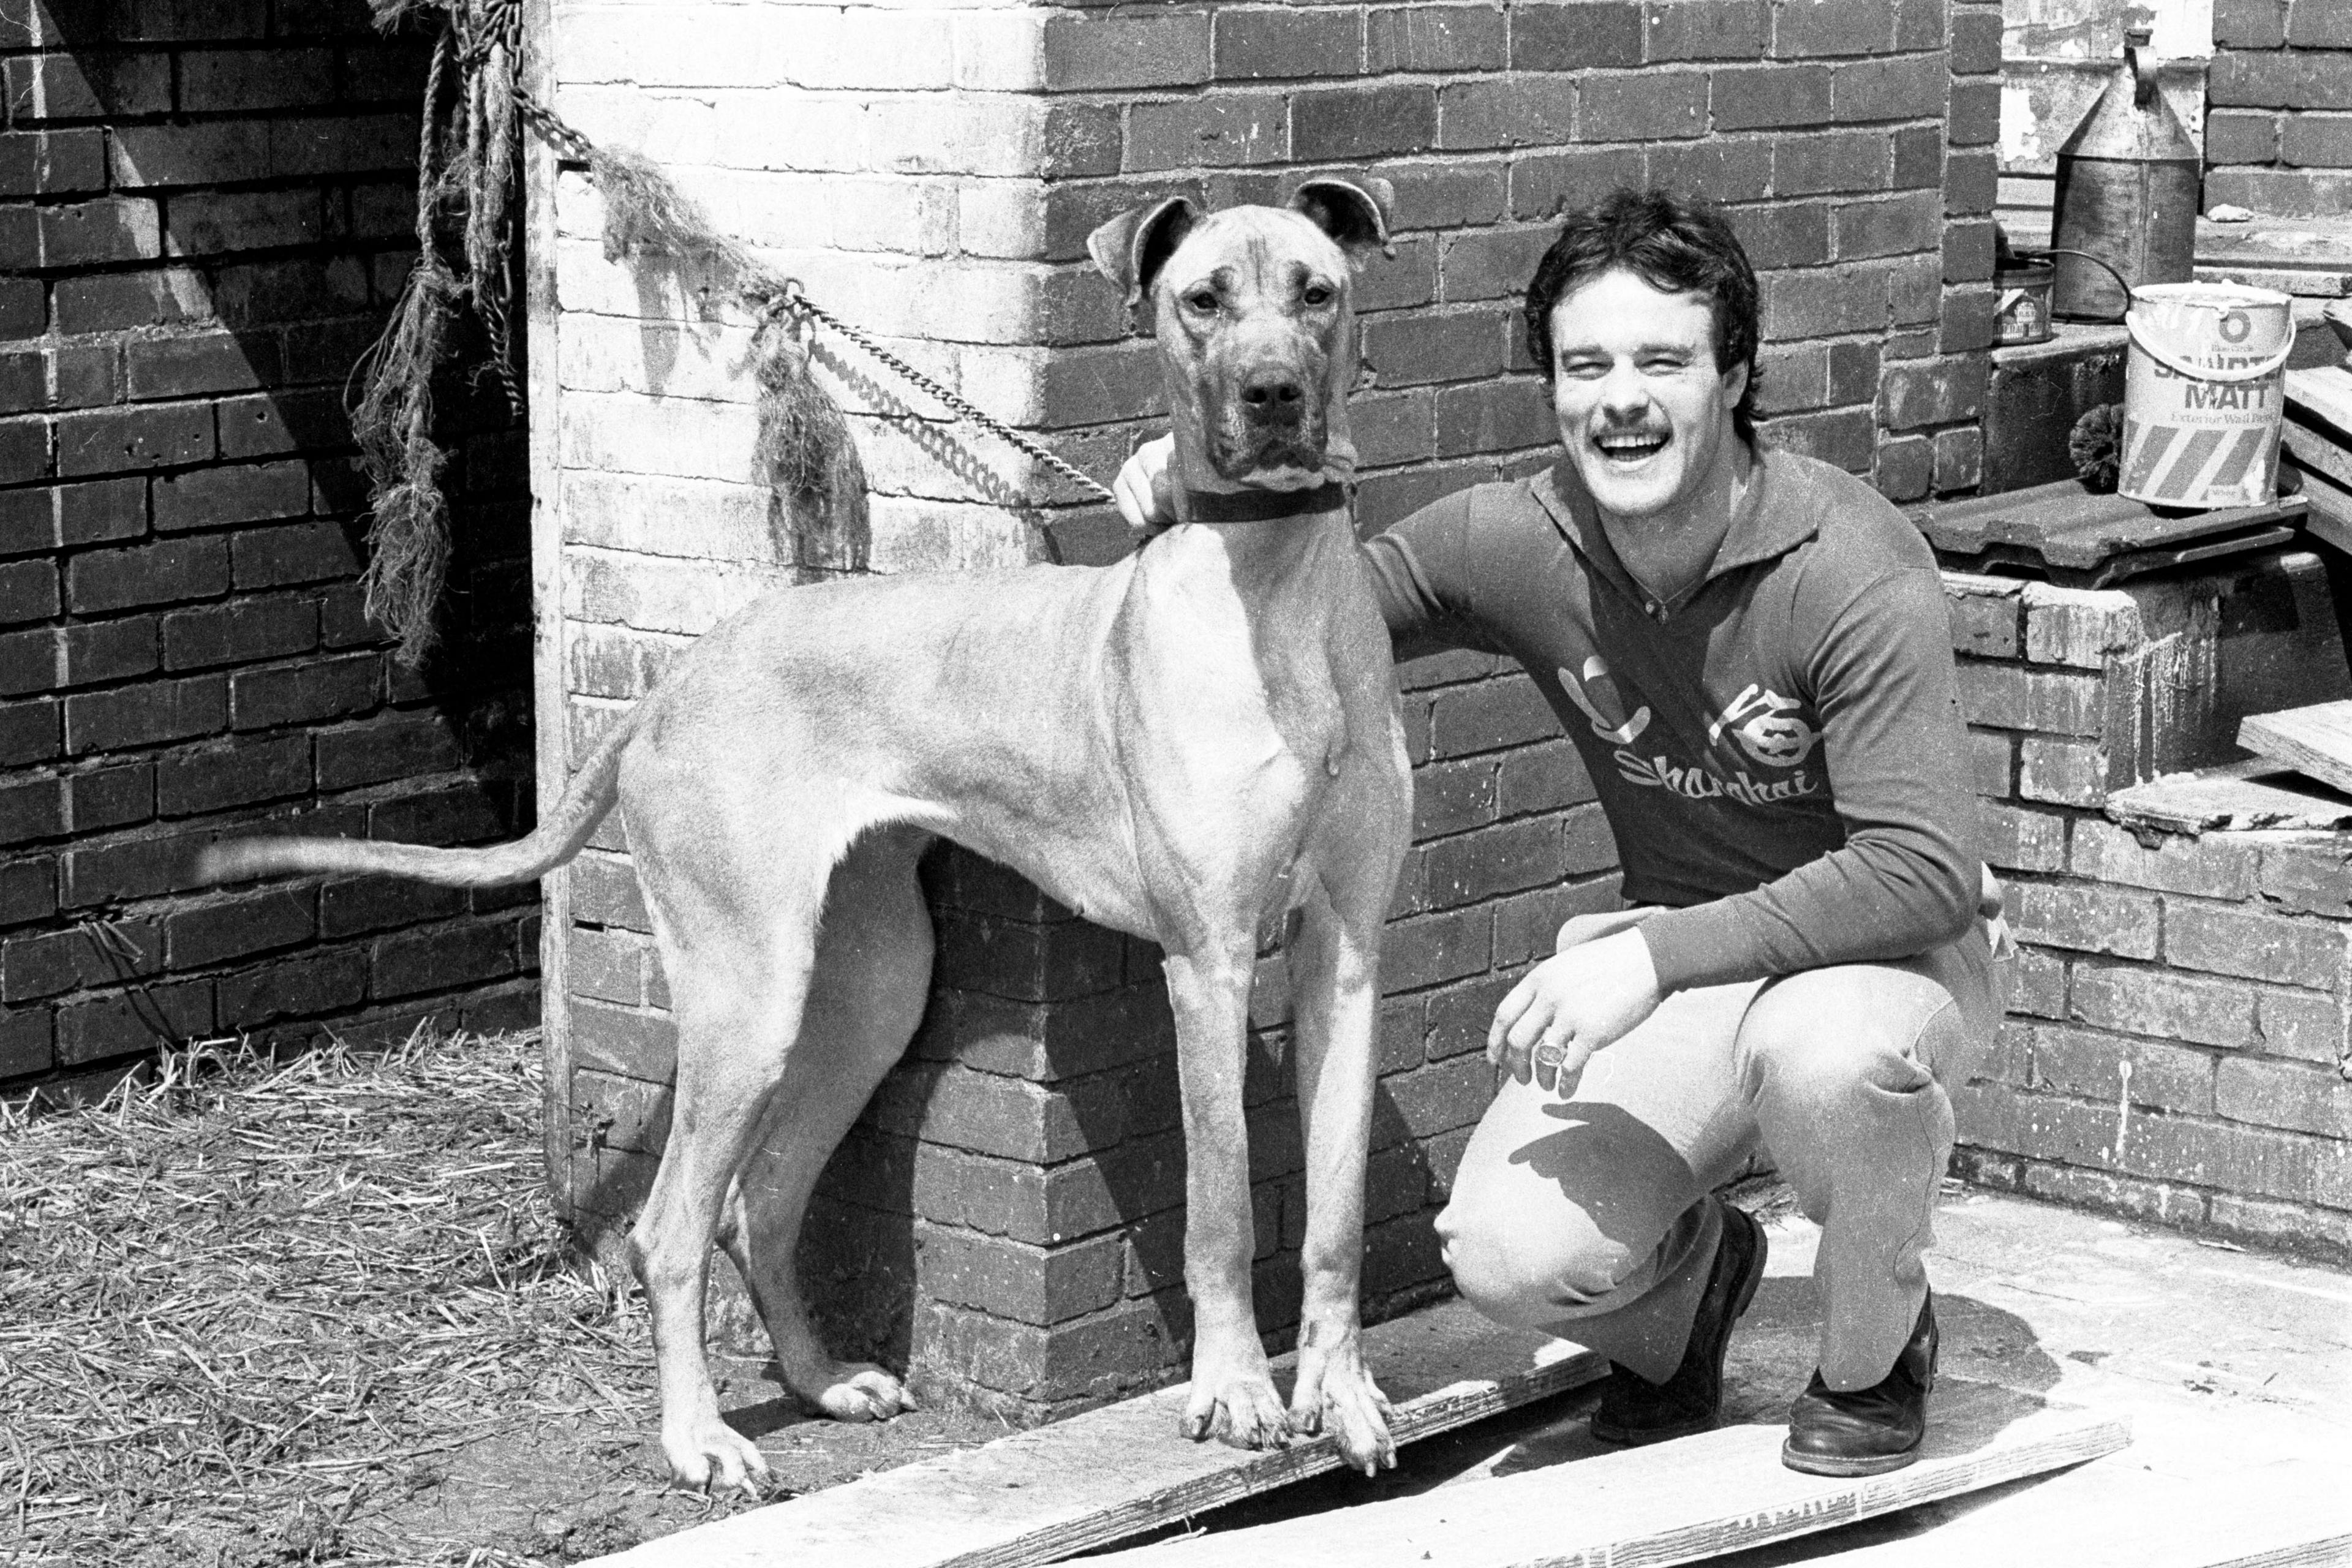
(1273, 395)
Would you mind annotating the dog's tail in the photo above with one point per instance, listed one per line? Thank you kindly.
(553, 842)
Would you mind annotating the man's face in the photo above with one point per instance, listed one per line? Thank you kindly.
(1643, 411)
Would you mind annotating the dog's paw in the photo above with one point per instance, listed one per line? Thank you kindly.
(1336, 1393)
(856, 1391)
(708, 1455)
(1242, 1411)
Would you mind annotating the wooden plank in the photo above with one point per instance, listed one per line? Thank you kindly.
(1111, 1474)
(2138, 563)
(2240, 796)
(2319, 450)
(2330, 517)
(2325, 393)
(2115, 1516)
(1677, 1503)
(2314, 741)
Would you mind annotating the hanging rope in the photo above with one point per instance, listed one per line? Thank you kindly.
(467, 209)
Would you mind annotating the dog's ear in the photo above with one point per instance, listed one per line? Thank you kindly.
(1355, 213)
(1130, 248)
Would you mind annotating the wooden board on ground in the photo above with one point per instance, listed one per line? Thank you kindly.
(2314, 741)
(1111, 1474)
(2073, 536)
(1682, 1501)
(2329, 520)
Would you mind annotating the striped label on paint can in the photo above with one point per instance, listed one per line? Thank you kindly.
(2204, 391)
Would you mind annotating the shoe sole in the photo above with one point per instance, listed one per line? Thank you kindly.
(1830, 1465)
(1628, 1439)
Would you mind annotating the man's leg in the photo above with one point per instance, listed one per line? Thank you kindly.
(1588, 1216)
(1845, 1068)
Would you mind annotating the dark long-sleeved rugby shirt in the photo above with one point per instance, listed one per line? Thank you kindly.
(1780, 755)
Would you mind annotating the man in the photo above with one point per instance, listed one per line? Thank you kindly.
(1751, 652)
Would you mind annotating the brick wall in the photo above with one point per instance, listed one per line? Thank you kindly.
(2279, 131)
(1006, 1218)
(2216, 967)
(204, 213)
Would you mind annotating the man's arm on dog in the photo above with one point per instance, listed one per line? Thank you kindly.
(1418, 567)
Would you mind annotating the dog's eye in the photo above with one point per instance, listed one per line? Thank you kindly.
(1202, 300)
(1317, 294)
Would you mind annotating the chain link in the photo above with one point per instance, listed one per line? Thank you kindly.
(786, 295)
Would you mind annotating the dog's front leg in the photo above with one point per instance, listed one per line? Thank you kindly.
(1335, 997)
(1233, 1396)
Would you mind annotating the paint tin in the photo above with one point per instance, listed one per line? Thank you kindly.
(2022, 311)
(2203, 394)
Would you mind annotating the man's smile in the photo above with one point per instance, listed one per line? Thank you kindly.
(1631, 448)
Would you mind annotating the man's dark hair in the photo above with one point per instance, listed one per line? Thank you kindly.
(1678, 244)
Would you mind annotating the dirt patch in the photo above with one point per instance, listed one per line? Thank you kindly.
(318, 1311)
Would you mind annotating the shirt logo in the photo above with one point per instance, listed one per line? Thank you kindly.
(1597, 696)
(1767, 727)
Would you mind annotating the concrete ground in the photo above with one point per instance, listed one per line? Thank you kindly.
(2234, 1367)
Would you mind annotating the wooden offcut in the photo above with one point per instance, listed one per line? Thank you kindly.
(2316, 741)
(1112, 1474)
(1682, 1501)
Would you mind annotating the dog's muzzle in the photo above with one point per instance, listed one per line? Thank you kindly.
(1274, 420)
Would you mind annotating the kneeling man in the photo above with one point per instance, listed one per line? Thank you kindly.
(1751, 652)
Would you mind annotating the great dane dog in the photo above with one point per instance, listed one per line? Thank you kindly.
(1198, 745)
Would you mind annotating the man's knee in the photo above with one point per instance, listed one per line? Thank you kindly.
(1801, 1056)
(1515, 1273)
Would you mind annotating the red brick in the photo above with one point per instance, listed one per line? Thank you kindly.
(28, 730)
(2249, 24)
(2312, 876)
(88, 84)
(1806, 29)
(95, 651)
(1507, 111)
(1720, 168)
(1960, 455)
(218, 81)
(1839, 437)
(1428, 950)
(2157, 1002)
(1910, 88)
(23, 307)
(1442, 1096)
(32, 808)
(1771, 96)
(1975, 115)
(304, 552)
(148, 574)
(1814, 304)
(2319, 25)
(1096, 53)
(238, 926)
(1976, 41)
(240, 631)
(1448, 195)
(1499, 416)
(2291, 1227)
(183, 364)
(2322, 140)
(2165, 1077)
(1480, 864)
(1355, 122)
(468, 813)
(1435, 38)
(2014, 696)
(2233, 136)
(302, 986)
(2088, 918)
(2260, 947)
(1287, 43)
(116, 440)
(1905, 468)
(52, 162)
(1543, 186)
(120, 1025)
(1410, 350)
(270, 424)
(1785, 234)
(214, 778)
(2258, 82)
(1790, 376)
(145, 715)
(305, 693)
(1542, 777)
(2292, 1096)
(398, 745)
(439, 960)
(1216, 132)
(1705, 30)
(1900, 224)
(53, 962)
(1581, 35)
(1647, 107)
(95, 233)
(24, 1042)
(2304, 1025)
(1832, 160)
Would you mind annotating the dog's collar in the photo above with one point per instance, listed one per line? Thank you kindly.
(1262, 506)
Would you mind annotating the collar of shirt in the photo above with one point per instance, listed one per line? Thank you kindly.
(1771, 520)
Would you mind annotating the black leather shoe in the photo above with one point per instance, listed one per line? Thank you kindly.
(1871, 1430)
(1636, 1410)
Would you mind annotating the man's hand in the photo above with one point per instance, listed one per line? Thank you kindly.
(1145, 493)
(1571, 1005)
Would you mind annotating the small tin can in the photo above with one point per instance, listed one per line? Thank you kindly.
(2021, 310)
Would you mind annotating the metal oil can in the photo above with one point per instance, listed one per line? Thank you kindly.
(2127, 184)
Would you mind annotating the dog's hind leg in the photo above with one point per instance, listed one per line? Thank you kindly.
(738, 953)
(873, 969)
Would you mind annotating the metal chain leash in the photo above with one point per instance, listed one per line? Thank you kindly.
(786, 295)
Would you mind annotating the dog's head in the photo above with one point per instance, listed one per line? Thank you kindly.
(1252, 306)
